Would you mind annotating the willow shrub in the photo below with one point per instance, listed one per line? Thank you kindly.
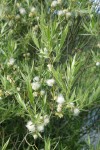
(50, 72)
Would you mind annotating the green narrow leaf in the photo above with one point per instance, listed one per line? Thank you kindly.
(59, 80)
(47, 144)
(35, 40)
(21, 102)
(63, 36)
(3, 28)
(5, 145)
(30, 94)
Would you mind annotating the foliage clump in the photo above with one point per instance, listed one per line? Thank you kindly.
(49, 72)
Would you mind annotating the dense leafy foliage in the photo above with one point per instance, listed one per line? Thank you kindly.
(49, 72)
